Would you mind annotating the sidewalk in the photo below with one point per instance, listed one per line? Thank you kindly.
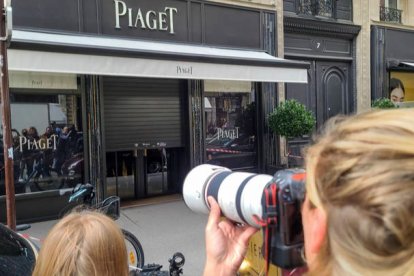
(163, 229)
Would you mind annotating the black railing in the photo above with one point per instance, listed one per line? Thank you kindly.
(306, 7)
(316, 7)
(390, 14)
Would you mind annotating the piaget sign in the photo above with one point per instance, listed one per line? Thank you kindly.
(145, 19)
(41, 144)
(232, 133)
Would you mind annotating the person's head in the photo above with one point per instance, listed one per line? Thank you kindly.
(24, 132)
(358, 212)
(33, 131)
(83, 243)
(397, 90)
(49, 130)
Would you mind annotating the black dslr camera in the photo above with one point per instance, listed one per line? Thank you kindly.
(260, 200)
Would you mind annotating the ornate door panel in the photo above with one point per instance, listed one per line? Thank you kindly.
(327, 92)
(332, 89)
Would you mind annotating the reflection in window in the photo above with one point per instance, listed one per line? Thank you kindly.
(230, 129)
(47, 141)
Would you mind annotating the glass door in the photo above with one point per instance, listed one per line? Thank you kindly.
(144, 172)
(156, 171)
(121, 173)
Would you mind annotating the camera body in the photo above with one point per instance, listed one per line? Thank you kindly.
(242, 198)
(287, 238)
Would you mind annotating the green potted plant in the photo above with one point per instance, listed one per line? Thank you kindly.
(383, 103)
(291, 119)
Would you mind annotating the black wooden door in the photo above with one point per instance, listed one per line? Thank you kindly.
(304, 93)
(327, 92)
(332, 89)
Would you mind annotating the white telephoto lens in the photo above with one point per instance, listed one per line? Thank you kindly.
(227, 195)
(251, 198)
(195, 184)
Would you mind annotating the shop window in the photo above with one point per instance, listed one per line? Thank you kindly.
(230, 119)
(47, 141)
(401, 88)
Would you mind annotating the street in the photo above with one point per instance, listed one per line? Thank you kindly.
(162, 229)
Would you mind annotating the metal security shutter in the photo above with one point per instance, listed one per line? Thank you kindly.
(142, 111)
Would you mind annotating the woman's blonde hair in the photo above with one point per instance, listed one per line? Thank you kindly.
(361, 172)
(83, 243)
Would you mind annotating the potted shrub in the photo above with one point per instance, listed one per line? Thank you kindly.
(291, 119)
(383, 103)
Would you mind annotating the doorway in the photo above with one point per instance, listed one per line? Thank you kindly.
(144, 126)
(327, 93)
(144, 172)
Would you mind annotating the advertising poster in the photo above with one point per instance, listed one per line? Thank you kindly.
(402, 86)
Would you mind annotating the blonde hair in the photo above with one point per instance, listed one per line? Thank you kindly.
(83, 243)
(361, 172)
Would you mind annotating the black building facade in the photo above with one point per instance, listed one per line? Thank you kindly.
(130, 95)
(322, 33)
(392, 61)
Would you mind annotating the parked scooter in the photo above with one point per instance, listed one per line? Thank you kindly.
(72, 170)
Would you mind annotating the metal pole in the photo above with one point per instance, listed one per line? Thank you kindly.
(7, 137)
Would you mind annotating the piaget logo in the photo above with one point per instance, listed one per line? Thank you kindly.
(232, 133)
(184, 70)
(152, 20)
(41, 144)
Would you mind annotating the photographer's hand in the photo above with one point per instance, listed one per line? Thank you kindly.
(226, 243)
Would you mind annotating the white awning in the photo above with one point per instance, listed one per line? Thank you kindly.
(75, 54)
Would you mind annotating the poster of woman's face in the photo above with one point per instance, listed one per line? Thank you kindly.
(397, 91)
(401, 87)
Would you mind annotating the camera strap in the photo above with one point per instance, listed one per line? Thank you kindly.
(269, 219)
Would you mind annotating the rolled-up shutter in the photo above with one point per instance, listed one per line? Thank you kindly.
(138, 110)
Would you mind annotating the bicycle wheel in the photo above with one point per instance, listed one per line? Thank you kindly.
(134, 250)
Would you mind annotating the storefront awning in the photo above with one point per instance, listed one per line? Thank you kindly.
(79, 54)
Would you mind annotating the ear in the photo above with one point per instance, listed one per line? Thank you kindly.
(317, 230)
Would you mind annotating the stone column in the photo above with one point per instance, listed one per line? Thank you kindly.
(362, 14)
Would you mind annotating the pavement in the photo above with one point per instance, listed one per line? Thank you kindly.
(163, 228)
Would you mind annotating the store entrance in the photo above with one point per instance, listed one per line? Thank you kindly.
(144, 172)
(156, 168)
(121, 173)
(144, 125)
